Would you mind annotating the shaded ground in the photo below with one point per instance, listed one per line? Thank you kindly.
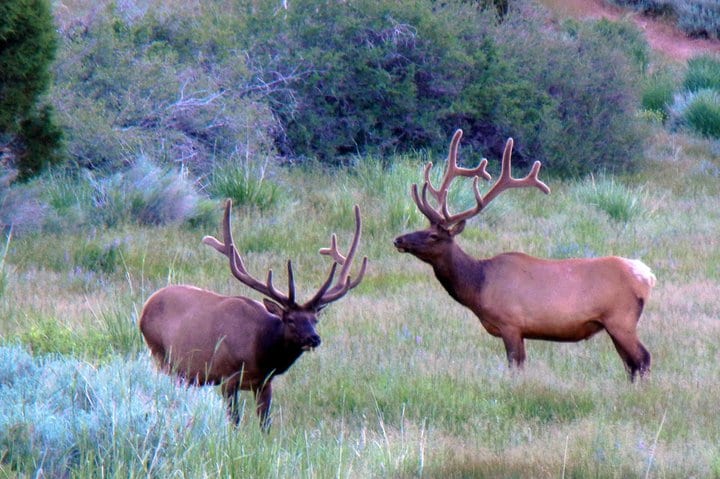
(662, 36)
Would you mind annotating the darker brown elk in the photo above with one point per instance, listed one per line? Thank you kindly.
(518, 297)
(237, 342)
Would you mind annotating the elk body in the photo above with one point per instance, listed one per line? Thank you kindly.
(518, 297)
(234, 341)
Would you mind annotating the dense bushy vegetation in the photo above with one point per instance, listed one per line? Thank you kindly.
(696, 17)
(383, 77)
(163, 104)
(29, 136)
(164, 82)
(331, 80)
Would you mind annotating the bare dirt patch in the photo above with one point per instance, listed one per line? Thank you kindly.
(663, 36)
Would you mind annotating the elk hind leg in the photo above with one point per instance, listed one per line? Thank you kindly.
(514, 348)
(633, 354)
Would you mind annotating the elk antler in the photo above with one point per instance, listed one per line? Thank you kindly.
(237, 267)
(441, 215)
(326, 294)
(344, 282)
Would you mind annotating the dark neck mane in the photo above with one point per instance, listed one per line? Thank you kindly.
(277, 353)
(461, 275)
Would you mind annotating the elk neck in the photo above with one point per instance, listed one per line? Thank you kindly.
(277, 353)
(461, 275)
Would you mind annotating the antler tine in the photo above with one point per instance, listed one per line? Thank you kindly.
(506, 181)
(470, 212)
(333, 251)
(344, 284)
(452, 170)
(341, 289)
(237, 266)
(442, 215)
(422, 203)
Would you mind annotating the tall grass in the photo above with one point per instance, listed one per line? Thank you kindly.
(406, 382)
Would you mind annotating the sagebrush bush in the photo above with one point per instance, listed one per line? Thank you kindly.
(145, 193)
(699, 18)
(61, 415)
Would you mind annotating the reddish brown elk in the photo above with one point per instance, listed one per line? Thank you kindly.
(518, 297)
(234, 341)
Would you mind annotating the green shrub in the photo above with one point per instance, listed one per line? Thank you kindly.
(99, 258)
(623, 36)
(702, 114)
(49, 336)
(379, 77)
(703, 72)
(366, 77)
(570, 111)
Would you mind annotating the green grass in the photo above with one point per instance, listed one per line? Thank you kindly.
(406, 382)
(703, 73)
(703, 113)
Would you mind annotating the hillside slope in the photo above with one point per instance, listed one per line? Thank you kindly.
(662, 36)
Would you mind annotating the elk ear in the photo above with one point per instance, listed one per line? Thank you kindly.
(457, 229)
(273, 307)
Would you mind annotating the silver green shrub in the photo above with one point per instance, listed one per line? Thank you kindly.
(58, 414)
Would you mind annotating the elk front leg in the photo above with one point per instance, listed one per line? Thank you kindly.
(230, 392)
(514, 347)
(263, 399)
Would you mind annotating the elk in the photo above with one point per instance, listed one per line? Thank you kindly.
(518, 297)
(236, 342)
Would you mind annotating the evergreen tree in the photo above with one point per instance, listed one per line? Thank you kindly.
(27, 48)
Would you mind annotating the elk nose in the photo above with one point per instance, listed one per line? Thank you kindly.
(314, 341)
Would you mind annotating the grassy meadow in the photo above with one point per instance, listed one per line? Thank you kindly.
(406, 382)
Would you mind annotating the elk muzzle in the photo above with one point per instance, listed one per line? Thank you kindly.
(400, 244)
(311, 342)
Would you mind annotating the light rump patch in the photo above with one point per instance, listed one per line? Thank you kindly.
(641, 271)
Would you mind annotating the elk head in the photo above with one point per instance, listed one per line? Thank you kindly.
(299, 318)
(430, 243)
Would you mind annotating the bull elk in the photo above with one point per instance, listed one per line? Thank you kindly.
(234, 341)
(518, 297)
